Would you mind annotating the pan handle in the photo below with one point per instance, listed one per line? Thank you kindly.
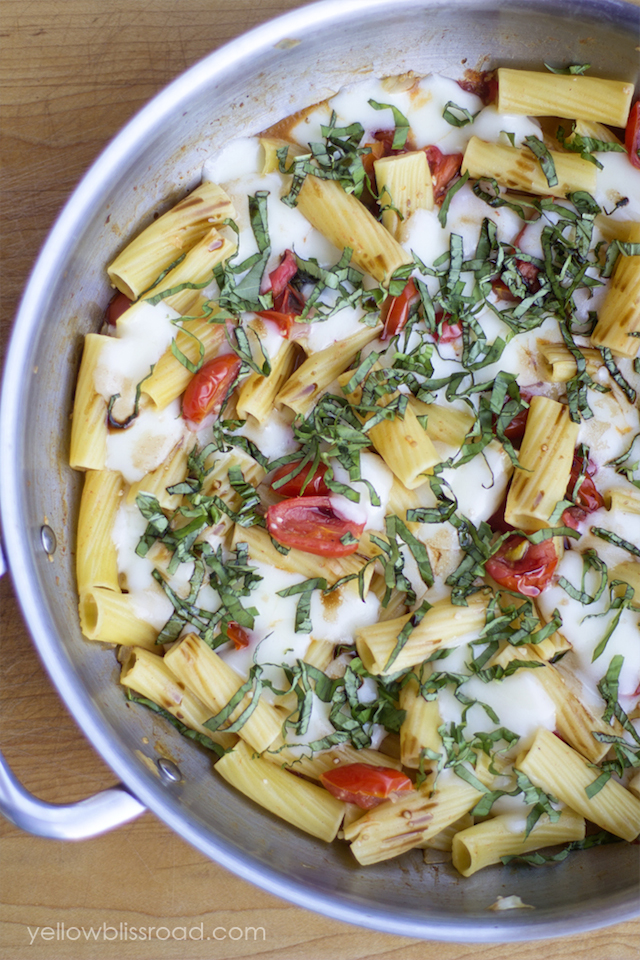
(73, 821)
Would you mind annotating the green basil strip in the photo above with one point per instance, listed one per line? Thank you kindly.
(450, 194)
(457, 116)
(401, 122)
(609, 537)
(540, 151)
(413, 621)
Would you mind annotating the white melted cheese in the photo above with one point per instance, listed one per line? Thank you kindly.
(143, 334)
(618, 180)
(519, 701)
(585, 626)
(274, 639)
(374, 470)
(144, 445)
(128, 527)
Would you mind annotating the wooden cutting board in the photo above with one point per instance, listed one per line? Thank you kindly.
(72, 73)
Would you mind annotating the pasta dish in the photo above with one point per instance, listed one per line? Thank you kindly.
(361, 443)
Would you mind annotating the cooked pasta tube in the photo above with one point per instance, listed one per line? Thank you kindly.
(170, 376)
(196, 268)
(561, 771)
(554, 645)
(346, 222)
(304, 387)
(404, 186)
(215, 683)
(96, 557)
(149, 676)
(545, 456)
(304, 805)
(297, 561)
(158, 246)
(402, 499)
(257, 395)
(575, 721)
(560, 364)
(321, 761)
(629, 572)
(556, 95)
(419, 729)
(485, 843)
(395, 827)
(519, 169)
(444, 840)
(444, 424)
(634, 785)
(171, 471)
(402, 442)
(89, 422)
(594, 130)
(622, 500)
(618, 323)
(444, 625)
(271, 146)
(112, 617)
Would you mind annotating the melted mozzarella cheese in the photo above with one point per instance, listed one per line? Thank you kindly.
(374, 471)
(519, 701)
(143, 334)
(274, 639)
(585, 626)
(145, 444)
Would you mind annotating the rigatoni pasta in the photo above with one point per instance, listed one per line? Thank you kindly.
(361, 485)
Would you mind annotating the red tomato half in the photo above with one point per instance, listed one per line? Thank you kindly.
(444, 167)
(316, 487)
(283, 274)
(365, 785)
(118, 305)
(395, 310)
(288, 303)
(238, 635)
(632, 135)
(447, 332)
(523, 567)
(587, 499)
(311, 524)
(208, 387)
(481, 82)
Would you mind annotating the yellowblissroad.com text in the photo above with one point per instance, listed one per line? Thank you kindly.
(124, 932)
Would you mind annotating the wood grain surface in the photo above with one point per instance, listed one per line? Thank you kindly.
(72, 73)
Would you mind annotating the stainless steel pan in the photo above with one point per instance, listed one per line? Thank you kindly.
(242, 88)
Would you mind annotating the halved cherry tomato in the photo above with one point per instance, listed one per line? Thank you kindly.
(529, 273)
(523, 567)
(208, 387)
(587, 498)
(483, 83)
(118, 305)
(514, 430)
(632, 135)
(447, 332)
(288, 303)
(237, 634)
(444, 167)
(395, 310)
(311, 524)
(315, 487)
(283, 274)
(364, 784)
